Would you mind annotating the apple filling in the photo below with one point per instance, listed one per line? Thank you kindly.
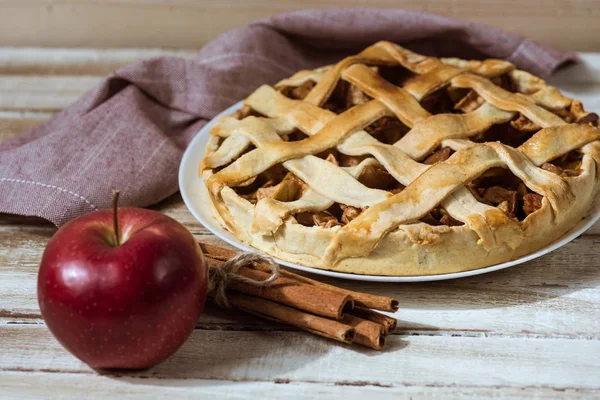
(497, 187)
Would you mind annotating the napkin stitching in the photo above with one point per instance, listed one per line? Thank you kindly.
(49, 186)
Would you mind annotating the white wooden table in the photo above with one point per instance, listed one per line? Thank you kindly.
(531, 331)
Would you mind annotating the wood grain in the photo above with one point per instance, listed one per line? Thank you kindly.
(39, 384)
(42, 93)
(531, 331)
(557, 295)
(40, 61)
(13, 123)
(191, 23)
(295, 356)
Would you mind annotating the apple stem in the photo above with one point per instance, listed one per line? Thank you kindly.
(115, 205)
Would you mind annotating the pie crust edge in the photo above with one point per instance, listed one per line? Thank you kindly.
(413, 249)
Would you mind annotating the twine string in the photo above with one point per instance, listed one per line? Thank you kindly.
(219, 276)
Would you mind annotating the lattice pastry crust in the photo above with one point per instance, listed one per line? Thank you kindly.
(393, 163)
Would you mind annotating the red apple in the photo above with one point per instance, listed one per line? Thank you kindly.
(126, 301)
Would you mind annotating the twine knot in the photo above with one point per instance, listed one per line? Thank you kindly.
(219, 276)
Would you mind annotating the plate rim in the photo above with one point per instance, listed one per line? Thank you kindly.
(189, 164)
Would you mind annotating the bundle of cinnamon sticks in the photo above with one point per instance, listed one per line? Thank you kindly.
(313, 306)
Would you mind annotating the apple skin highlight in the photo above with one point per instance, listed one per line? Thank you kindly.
(129, 305)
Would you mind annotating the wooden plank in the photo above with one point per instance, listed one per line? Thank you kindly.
(557, 295)
(191, 23)
(594, 229)
(40, 61)
(42, 93)
(13, 123)
(298, 357)
(486, 334)
(25, 384)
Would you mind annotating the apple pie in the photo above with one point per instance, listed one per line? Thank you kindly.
(394, 163)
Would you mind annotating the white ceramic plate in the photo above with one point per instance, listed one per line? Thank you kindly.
(195, 197)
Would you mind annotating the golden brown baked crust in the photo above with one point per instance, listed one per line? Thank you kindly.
(393, 163)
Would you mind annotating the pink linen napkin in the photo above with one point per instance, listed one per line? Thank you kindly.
(130, 132)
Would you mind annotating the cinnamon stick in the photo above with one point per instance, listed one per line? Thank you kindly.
(295, 294)
(295, 299)
(388, 323)
(279, 313)
(368, 333)
(381, 303)
(216, 252)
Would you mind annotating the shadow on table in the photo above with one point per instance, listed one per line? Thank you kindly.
(229, 345)
(569, 269)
